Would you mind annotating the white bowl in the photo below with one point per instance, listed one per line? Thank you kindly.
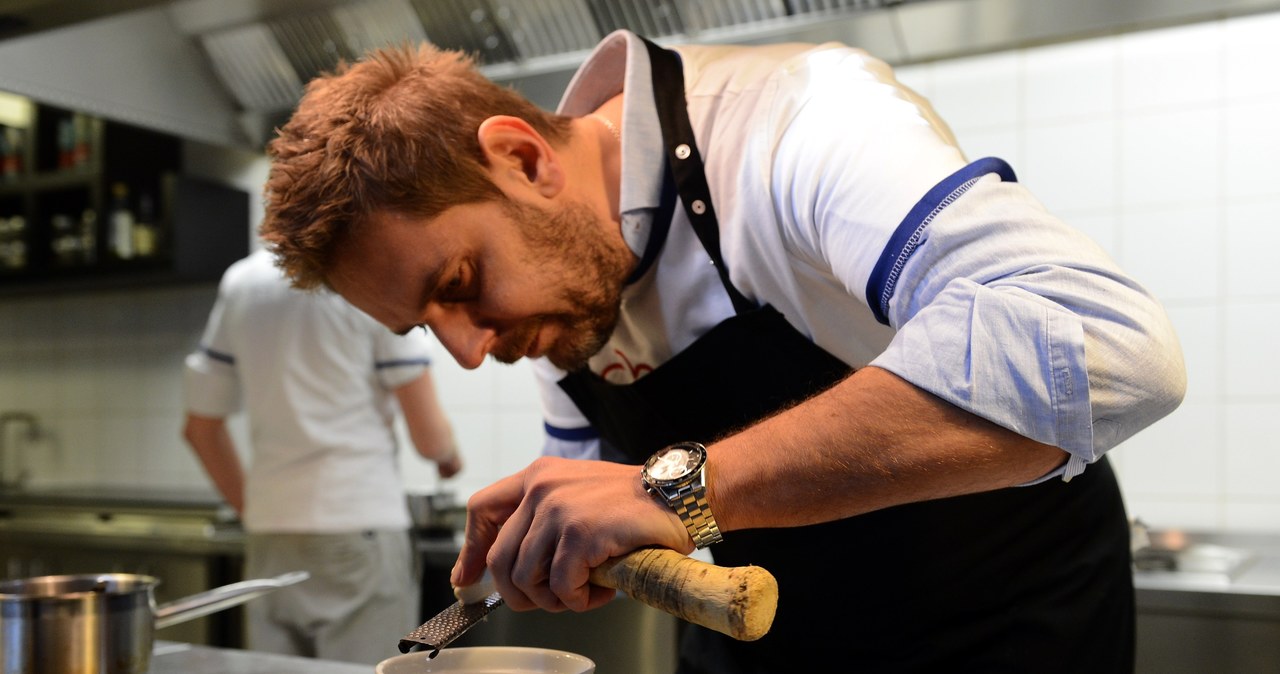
(489, 660)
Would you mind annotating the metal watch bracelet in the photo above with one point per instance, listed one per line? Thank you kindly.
(696, 514)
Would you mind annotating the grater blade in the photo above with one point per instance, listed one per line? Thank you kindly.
(449, 624)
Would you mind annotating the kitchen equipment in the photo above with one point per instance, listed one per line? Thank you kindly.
(737, 601)
(437, 514)
(1173, 552)
(101, 623)
(478, 660)
(189, 538)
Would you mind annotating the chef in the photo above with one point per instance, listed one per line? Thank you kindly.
(803, 330)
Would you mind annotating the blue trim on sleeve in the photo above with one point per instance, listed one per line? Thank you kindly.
(573, 434)
(400, 363)
(911, 231)
(219, 356)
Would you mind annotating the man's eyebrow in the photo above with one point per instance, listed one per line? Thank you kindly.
(430, 281)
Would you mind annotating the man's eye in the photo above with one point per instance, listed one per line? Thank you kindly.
(455, 288)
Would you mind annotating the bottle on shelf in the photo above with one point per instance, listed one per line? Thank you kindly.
(4, 150)
(66, 143)
(89, 235)
(121, 223)
(11, 151)
(13, 245)
(65, 242)
(145, 232)
(80, 140)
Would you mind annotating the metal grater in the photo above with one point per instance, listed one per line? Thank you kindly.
(449, 624)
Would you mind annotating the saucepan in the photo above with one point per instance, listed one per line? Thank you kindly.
(101, 623)
(489, 660)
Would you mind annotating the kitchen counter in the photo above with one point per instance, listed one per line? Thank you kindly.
(1217, 563)
(179, 658)
(1208, 601)
(165, 520)
(98, 496)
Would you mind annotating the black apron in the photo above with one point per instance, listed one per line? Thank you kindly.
(1016, 580)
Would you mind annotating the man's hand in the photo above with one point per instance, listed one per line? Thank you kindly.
(542, 530)
(450, 464)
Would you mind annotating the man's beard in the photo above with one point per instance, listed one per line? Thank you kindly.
(569, 242)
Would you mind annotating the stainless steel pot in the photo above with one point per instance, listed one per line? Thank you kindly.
(103, 623)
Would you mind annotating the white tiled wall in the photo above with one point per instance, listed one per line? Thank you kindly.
(496, 418)
(1165, 147)
(102, 372)
(1162, 145)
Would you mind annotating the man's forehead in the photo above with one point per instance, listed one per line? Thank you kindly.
(381, 271)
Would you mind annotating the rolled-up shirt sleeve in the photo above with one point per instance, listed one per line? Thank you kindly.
(399, 359)
(210, 381)
(996, 305)
(568, 433)
(1007, 312)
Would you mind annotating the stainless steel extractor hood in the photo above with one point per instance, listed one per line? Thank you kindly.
(259, 53)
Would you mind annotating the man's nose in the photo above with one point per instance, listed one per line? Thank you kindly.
(466, 341)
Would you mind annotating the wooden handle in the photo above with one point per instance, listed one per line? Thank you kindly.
(737, 601)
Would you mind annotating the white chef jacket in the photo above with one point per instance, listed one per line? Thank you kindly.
(317, 378)
(844, 202)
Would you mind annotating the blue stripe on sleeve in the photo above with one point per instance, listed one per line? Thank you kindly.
(398, 363)
(911, 231)
(219, 356)
(572, 434)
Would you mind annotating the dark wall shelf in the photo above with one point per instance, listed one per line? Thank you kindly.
(60, 224)
(47, 182)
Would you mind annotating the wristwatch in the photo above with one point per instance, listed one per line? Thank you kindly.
(677, 475)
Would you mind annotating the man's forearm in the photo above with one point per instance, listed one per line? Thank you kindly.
(870, 442)
(215, 449)
(428, 426)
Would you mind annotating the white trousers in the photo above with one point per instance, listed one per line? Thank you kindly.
(363, 594)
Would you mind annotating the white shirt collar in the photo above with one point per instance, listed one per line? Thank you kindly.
(621, 62)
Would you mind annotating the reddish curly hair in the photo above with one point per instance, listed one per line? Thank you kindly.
(394, 131)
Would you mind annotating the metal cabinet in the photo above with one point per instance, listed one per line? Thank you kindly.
(1200, 617)
(1205, 631)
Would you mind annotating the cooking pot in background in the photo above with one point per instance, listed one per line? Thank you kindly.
(436, 515)
(101, 623)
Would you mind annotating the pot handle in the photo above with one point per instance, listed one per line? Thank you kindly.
(219, 598)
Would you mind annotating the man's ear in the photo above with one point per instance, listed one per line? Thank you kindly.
(519, 157)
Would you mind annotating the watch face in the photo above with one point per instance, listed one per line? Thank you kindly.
(672, 463)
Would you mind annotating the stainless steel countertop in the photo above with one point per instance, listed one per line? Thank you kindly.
(1251, 588)
(1257, 574)
(179, 658)
(114, 498)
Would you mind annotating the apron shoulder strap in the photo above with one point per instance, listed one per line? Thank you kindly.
(685, 162)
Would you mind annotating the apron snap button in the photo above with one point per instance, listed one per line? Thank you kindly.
(698, 207)
(683, 151)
